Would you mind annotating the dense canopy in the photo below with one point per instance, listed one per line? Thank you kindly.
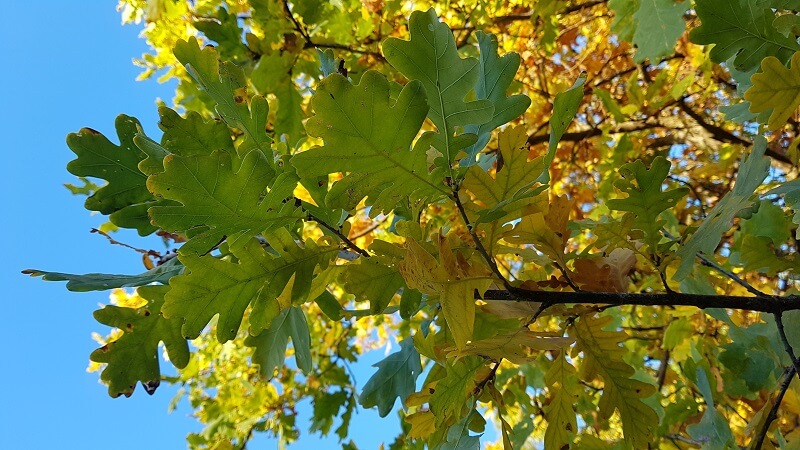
(573, 221)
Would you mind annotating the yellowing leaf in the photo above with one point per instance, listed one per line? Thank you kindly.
(423, 423)
(776, 88)
(515, 346)
(603, 355)
(512, 186)
(453, 279)
(562, 424)
(547, 231)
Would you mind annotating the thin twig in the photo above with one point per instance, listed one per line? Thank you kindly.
(567, 277)
(492, 373)
(348, 243)
(478, 245)
(713, 264)
(773, 412)
(374, 227)
(786, 345)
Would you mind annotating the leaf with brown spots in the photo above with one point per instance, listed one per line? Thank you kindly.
(134, 356)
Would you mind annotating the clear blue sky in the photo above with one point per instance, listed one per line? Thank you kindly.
(68, 65)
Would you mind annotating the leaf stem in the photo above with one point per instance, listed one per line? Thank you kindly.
(348, 243)
(478, 244)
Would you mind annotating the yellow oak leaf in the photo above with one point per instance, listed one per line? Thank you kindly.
(423, 424)
(516, 346)
(776, 88)
(452, 278)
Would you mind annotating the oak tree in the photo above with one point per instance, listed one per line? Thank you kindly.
(575, 221)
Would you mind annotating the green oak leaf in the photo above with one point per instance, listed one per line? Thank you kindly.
(374, 279)
(742, 29)
(659, 24)
(565, 106)
(327, 62)
(494, 78)
(770, 222)
(326, 408)
(713, 427)
(458, 437)
(351, 120)
(753, 170)
(791, 195)
(227, 86)
(624, 25)
(218, 203)
(431, 57)
(787, 24)
(646, 201)
(758, 255)
(103, 281)
(289, 117)
(270, 345)
(453, 392)
(214, 286)
(396, 378)
(192, 135)
(118, 165)
(223, 28)
(134, 356)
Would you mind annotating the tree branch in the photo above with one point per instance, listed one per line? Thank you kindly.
(769, 304)
(722, 135)
(576, 136)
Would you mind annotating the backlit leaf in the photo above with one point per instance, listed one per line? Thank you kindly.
(603, 356)
(192, 135)
(375, 159)
(752, 172)
(451, 396)
(134, 356)
(227, 85)
(118, 165)
(776, 88)
(431, 57)
(214, 286)
(453, 279)
(512, 187)
(562, 424)
(218, 202)
(646, 200)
